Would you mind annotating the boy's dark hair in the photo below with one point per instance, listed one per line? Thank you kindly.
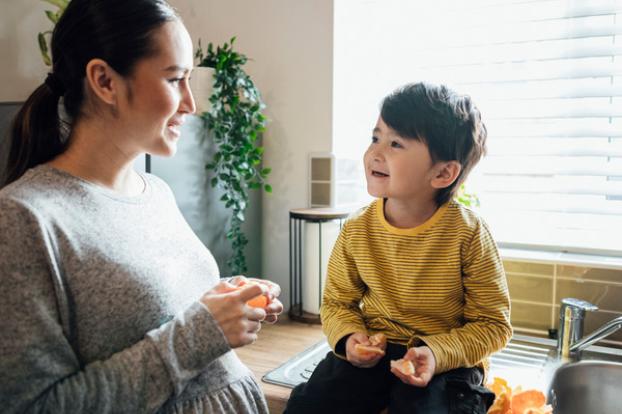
(448, 123)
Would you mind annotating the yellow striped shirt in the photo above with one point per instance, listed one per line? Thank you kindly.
(441, 283)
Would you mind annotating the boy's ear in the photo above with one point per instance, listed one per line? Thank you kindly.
(103, 80)
(445, 173)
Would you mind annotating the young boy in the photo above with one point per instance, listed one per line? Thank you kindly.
(416, 266)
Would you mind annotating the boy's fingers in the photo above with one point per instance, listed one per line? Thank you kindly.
(411, 354)
(420, 381)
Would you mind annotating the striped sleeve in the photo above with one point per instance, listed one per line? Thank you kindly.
(340, 312)
(486, 314)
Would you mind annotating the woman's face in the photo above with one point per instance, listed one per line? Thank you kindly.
(157, 96)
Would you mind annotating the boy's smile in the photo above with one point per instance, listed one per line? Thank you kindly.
(397, 167)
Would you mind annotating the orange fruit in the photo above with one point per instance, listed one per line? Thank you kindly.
(405, 366)
(365, 350)
(259, 301)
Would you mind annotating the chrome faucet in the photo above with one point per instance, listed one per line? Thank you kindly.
(571, 316)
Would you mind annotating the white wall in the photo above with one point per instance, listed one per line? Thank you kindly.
(21, 66)
(291, 44)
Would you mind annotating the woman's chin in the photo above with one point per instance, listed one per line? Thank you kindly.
(167, 149)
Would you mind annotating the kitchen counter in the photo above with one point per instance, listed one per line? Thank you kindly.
(275, 345)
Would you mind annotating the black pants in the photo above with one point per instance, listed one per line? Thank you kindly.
(336, 386)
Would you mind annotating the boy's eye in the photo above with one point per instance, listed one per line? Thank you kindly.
(175, 81)
(374, 139)
(396, 144)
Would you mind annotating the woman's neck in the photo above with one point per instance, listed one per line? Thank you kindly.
(407, 214)
(93, 156)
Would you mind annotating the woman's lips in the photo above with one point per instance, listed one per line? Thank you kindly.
(173, 127)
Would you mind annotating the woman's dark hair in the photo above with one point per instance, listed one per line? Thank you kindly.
(116, 31)
(449, 124)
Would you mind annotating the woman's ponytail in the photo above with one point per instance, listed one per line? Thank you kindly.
(36, 131)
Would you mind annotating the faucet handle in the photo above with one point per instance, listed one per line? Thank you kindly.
(577, 307)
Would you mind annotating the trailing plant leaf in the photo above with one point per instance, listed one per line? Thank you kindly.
(43, 47)
(234, 122)
(42, 37)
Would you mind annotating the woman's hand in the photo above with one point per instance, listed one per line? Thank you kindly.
(361, 359)
(238, 321)
(423, 359)
(275, 307)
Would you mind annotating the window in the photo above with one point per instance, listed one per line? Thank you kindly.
(547, 76)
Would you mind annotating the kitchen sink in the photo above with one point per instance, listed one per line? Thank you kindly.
(586, 387)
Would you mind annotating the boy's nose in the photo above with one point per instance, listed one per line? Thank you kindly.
(377, 154)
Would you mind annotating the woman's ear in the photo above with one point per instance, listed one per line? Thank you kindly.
(103, 81)
(445, 173)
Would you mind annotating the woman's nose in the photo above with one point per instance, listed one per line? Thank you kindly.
(187, 104)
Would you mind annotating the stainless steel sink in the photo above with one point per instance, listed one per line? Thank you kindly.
(586, 387)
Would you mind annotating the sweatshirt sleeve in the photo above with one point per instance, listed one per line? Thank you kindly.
(340, 312)
(487, 326)
(41, 372)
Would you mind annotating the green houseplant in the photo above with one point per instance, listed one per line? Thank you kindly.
(466, 198)
(43, 37)
(235, 123)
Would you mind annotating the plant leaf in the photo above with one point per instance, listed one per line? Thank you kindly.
(61, 4)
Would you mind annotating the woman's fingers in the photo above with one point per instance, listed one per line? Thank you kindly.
(238, 321)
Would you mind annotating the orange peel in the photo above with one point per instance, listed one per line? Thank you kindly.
(516, 401)
(526, 401)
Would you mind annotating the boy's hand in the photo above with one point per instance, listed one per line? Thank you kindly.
(361, 359)
(425, 364)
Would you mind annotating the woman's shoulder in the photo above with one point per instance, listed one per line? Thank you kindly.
(31, 188)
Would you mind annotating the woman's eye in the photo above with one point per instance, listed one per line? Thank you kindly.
(175, 81)
(374, 139)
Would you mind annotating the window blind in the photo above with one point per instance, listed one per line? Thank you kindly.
(547, 77)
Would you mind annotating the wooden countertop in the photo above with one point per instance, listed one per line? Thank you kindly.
(275, 345)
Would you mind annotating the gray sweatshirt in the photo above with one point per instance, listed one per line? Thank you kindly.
(99, 304)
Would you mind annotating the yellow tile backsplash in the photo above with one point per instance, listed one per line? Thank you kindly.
(530, 316)
(604, 295)
(537, 288)
(589, 273)
(528, 268)
(531, 288)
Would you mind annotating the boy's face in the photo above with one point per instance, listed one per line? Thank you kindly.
(397, 167)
